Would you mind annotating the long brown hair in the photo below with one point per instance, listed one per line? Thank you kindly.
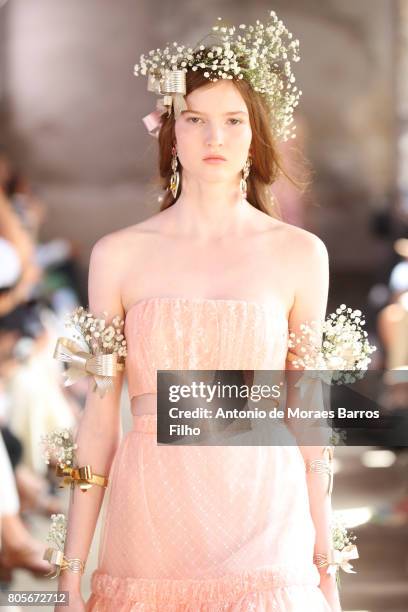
(266, 161)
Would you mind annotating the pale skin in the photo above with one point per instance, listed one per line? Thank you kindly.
(210, 244)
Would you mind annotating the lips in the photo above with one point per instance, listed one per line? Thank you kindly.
(219, 157)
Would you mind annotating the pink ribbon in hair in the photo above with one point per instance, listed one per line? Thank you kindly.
(152, 122)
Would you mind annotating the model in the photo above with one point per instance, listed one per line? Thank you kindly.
(215, 280)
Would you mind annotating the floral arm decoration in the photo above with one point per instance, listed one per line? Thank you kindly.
(344, 346)
(97, 349)
(59, 446)
(337, 351)
(55, 556)
(342, 552)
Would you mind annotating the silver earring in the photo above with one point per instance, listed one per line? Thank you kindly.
(175, 177)
(243, 186)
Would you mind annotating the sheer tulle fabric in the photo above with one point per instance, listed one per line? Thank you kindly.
(206, 528)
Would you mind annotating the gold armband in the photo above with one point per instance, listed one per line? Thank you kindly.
(323, 466)
(83, 477)
(336, 559)
(98, 349)
(61, 562)
(102, 367)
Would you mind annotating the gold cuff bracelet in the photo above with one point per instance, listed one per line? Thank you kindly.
(323, 466)
(61, 562)
(83, 477)
(335, 559)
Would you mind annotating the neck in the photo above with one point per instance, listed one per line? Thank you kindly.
(209, 210)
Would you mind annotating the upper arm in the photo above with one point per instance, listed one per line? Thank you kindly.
(104, 299)
(104, 279)
(309, 307)
(311, 282)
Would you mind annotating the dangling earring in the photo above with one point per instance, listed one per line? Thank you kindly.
(243, 186)
(175, 177)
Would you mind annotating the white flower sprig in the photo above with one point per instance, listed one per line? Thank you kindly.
(99, 337)
(261, 54)
(340, 344)
(58, 530)
(338, 436)
(59, 446)
(341, 537)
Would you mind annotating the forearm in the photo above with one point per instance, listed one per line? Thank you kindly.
(321, 512)
(97, 442)
(318, 474)
(12, 298)
(319, 500)
(8, 301)
(12, 230)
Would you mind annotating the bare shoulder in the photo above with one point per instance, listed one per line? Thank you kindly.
(105, 275)
(109, 260)
(121, 243)
(115, 253)
(303, 245)
(106, 249)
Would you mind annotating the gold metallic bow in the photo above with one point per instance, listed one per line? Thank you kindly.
(102, 367)
(338, 558)
(172, 86)
(57, 558)
(82, 476)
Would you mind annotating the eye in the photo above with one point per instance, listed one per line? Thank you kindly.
(195, 120)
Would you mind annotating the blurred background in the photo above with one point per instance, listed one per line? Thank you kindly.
(76, 162)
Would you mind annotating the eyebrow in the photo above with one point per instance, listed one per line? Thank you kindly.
(198, 112)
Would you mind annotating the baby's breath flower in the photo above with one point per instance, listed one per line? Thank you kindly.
(59, 446)
(96, 334)
(57, 531)
(339, 344)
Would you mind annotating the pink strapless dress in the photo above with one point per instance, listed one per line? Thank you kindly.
(204, 528)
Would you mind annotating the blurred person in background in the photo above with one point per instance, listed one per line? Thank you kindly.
(392, 322)
(18, 549)
(56, 258)
(398, 282)
(392, 328)
(31, 398)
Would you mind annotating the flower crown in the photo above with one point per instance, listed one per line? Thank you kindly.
(260, 54)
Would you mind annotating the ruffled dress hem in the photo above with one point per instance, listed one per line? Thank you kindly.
(265, 590)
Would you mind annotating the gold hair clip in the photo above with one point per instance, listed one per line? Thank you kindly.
(172, 86)
(83, 477)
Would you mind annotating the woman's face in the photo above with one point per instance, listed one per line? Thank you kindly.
(216, 123)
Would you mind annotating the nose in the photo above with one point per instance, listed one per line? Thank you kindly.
(214, 134)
